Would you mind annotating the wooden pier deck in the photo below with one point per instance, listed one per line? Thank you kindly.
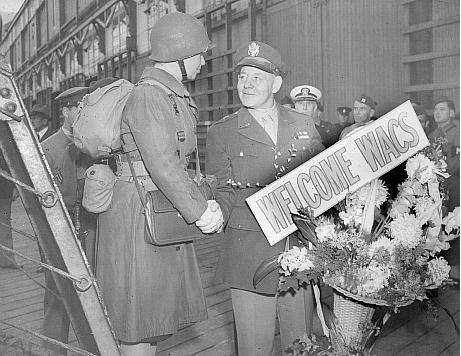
(410, 332)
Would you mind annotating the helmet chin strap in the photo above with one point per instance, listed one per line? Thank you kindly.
(183, 69)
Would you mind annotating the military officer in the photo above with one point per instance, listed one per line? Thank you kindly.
(246, 151)
(307, 101)
(364, 109)
(40, 117)
(448, 130)
(62, 157)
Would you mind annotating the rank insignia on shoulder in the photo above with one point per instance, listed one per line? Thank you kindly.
(302, 135)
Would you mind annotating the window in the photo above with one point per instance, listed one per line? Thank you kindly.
(41, 26)
(119, 29)
(67, 11)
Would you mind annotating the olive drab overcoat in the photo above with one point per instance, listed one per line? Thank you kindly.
(244, 158)
(148, 290)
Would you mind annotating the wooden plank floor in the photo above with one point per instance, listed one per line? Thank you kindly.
(410, 332)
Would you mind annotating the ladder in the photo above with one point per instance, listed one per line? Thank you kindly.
(51, 222)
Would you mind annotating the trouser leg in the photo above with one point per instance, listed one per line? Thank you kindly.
(6, 236)
(88, 224)
(295, 312)
(55, 322)
(254, 316)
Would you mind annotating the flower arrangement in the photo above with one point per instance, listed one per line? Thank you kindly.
(372, 256)
(394, 263)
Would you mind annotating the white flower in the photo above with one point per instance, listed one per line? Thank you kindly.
(439, 270)
(371, 279)
(406, 230)
(353, 216)
(421, 168)
(325, 231)
(423, 205)
(382, 243)
(359, 197)
(294, 259)
(452, 220)
(400, 206)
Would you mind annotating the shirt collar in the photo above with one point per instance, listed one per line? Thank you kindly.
(166, 79)
(42, 132)
(259, 114)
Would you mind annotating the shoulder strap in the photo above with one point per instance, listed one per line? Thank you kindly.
(180, 127)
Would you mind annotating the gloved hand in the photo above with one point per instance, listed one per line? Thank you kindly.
(212, 219)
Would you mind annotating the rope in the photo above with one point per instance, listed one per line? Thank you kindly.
(28, 275)
(31, 237)
(81, 283)
(47, 199)
(50, 340)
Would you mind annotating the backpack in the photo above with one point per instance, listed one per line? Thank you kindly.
(96, 129)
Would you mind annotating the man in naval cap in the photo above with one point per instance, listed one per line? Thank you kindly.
(307, 101)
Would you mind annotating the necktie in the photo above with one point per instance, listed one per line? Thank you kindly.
(269, 127)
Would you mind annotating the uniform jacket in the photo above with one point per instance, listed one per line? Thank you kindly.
(243, 158)
(62, 156)
(48, 133)
(451, 149)
(327, 133)
(157, 142)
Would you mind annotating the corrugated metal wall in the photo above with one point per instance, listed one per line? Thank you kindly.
(344, 48)
(446, 39)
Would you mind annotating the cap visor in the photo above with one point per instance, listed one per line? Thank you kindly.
(258, 63)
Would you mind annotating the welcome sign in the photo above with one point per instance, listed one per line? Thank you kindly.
(327, 178)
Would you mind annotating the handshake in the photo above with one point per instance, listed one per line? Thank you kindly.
(212, 220)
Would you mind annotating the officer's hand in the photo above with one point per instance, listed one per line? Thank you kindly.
(212, 219)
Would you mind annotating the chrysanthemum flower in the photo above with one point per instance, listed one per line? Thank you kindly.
(406, 230)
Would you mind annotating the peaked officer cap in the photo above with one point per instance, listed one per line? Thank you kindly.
(445, 99)
(259, 55)
(72, 96)
(305, 92)
(41, 110)
(344, 110)
(365, 99)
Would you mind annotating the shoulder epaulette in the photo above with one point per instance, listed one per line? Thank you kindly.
(225, 118)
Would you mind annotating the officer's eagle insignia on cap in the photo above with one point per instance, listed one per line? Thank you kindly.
(253, 49)
(304, 91)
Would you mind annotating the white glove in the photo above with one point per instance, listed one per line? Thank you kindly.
(212, 219)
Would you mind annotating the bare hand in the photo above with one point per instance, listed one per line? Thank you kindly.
(212, 219)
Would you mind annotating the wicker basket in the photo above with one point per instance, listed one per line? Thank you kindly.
(352, 317)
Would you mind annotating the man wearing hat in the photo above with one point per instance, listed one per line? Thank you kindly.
(40, 116)
(246, 151)
(343, 113)
(307, 101)
(448, 130)
(364, 109)
(63, 159)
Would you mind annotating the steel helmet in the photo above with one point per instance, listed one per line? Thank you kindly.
(177, 36)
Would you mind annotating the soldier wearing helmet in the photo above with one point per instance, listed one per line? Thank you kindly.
(149, 290)
(246, 151)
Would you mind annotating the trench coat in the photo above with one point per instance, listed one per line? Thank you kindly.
(243, 158)
(152, 291)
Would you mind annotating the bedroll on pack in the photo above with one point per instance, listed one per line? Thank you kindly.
(96, 129)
